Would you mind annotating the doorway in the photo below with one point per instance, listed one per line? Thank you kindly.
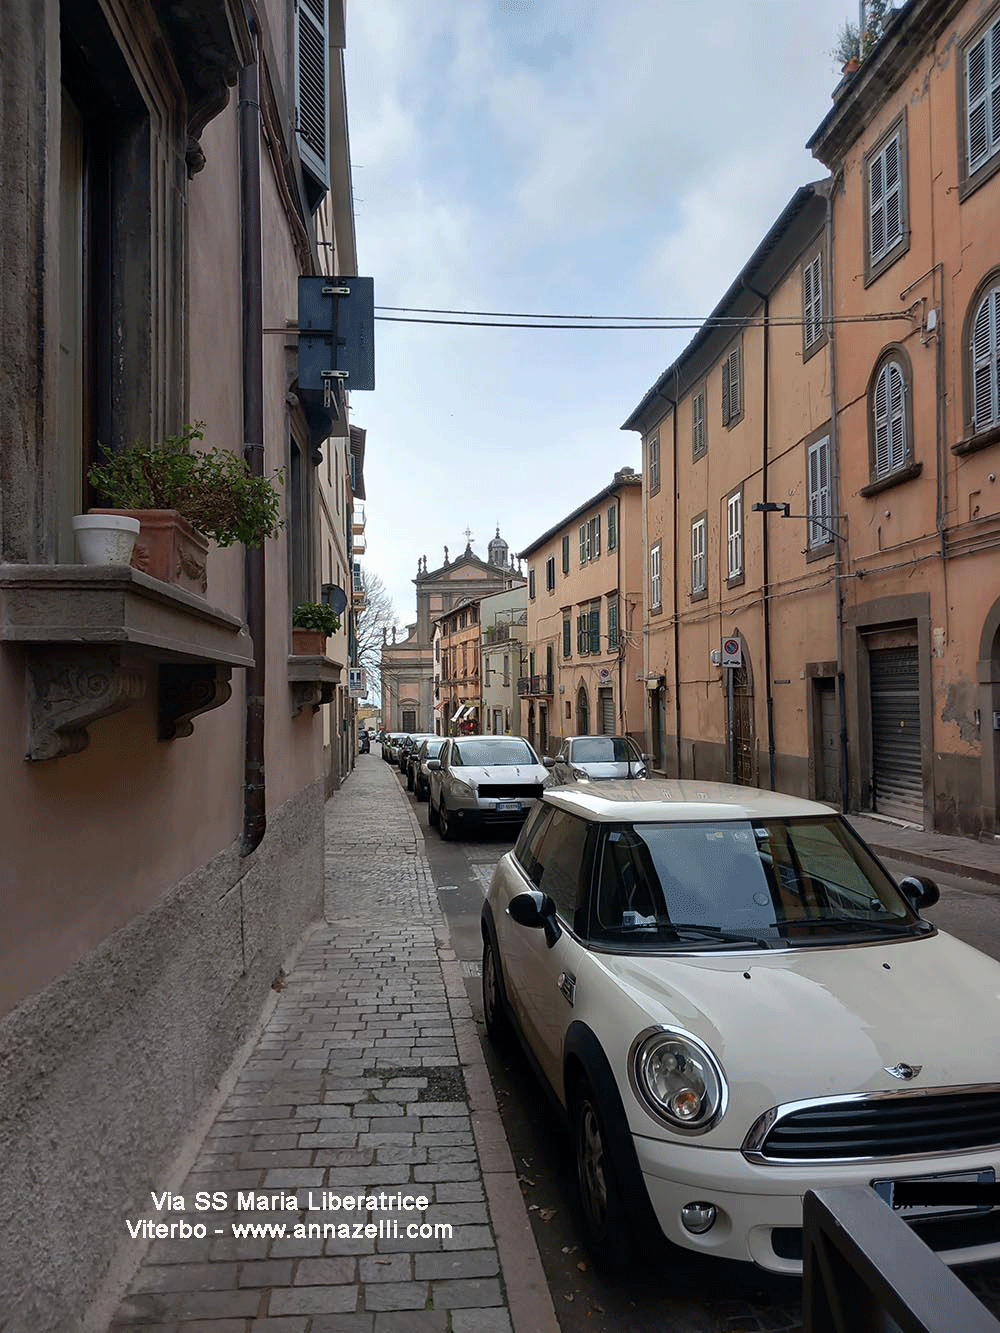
(582, 712)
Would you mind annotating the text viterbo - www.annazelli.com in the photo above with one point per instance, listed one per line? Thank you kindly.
(314, 1201)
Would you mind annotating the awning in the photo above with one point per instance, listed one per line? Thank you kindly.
(455, 717)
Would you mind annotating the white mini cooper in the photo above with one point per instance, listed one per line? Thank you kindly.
(733, 1003)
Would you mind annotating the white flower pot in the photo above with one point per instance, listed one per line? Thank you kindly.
(105, 539)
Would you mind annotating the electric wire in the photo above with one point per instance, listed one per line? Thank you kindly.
(638, 323)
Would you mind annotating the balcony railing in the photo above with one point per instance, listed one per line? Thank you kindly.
(523, 686)
(358, 518)
(536, 687)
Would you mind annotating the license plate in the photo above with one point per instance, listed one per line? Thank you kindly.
(918, 1197)
(508, 807)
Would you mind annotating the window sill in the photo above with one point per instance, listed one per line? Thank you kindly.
(736, 580)
(973, 443)
(313, 681)
(87, 633)
(699, 595)
(897, 478)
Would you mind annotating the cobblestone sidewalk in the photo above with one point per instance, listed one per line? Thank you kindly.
(368, 1079)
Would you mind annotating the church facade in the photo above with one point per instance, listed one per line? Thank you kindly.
(407, 665)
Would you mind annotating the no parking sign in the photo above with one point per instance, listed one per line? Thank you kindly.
(732, 653)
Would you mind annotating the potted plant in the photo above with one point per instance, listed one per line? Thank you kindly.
(105, 539)
(312, 624)
(183, 498)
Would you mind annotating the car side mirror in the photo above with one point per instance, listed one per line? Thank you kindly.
(536, 910)
(549, 762)
(644, 758)
(434, 765)
(919, 892)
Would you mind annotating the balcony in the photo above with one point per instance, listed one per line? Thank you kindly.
(534, 687)
(359, 545)
(523, 686)
(358, 520)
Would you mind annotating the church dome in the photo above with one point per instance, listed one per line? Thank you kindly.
(498, 551)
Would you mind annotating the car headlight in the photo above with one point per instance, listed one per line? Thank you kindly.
(462, 788)
(580, 774)
(642, 773)
(678, 1079)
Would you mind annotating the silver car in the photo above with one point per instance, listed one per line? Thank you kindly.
(430, 749)
(595, 759)
(479, 780)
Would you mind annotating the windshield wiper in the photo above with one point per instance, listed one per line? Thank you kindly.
(716, 933)
(862, 923)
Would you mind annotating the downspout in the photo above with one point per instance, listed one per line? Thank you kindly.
(838, 567)
(622, 605)
(677, 611)
(765, 545)
(254, 793)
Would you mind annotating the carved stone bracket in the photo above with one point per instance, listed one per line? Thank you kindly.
(313, 682)
(309, 694)
(186, 691)
(67, 689)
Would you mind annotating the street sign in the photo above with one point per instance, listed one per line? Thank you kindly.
(732, 653)
(336, 332)
(357, 682)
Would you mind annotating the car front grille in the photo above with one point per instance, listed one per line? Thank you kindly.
(878, 1125)
(525, 791)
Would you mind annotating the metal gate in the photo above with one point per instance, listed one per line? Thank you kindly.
(742, 706)
(897, 770)
(828, 759)
(606, 710)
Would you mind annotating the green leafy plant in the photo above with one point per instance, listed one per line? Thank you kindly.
(213, 489)
(315, 615)
(853, 43)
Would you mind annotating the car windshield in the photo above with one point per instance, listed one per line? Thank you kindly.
(490, 753)
(431, 749)
(777, 882)
(604, 750)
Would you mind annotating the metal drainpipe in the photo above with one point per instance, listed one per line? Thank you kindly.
(677, 612)
(254, 790)
(622, 605)
(839, 509)
(765, 548)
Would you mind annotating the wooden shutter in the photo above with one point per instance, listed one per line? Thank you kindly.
(812, 298)
(819, 490)
(735, 384)
(885, 200)
(986, 362)
(583, 544)
(982, 97)
(582, 634)
(567, 639)
(565, 555)
(698, 423)
(595, 535)
(613, 626)
(725, 392)
(890, 420)
(612, 528)
(594, 617)
(312, 87)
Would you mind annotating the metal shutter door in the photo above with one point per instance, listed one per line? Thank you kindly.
(898, 772)
(606, 704)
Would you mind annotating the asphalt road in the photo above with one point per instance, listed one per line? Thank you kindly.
(683, 1293)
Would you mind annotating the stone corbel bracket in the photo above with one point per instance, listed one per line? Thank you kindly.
(186, 691)
(313, 682)
(68, 689)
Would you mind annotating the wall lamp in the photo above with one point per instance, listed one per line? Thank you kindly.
(785, 510)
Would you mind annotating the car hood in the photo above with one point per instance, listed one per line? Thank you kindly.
(815, 1022)
(501, 773)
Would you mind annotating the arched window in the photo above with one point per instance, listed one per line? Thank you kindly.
(890, 420)
(984, 365)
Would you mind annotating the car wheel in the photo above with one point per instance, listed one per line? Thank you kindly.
(432, 814)
(420, 791)
(445, 827)
(604, 1217)
(497, 1022)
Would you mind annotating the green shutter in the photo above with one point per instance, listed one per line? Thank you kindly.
(595, 630)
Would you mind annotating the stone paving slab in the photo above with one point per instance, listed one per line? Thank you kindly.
(931, 851)
(341, 1187)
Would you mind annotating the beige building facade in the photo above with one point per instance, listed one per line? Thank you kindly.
(504, 621)
(162, 759)
(458, 705)
(582, 671)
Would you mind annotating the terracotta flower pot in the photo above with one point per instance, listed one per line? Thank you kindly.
(308, 643)
(168, 548)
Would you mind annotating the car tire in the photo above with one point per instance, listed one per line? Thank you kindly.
(420, 791)
(497, 1022)
(445, 826)
(432, 814)
(603, 1214)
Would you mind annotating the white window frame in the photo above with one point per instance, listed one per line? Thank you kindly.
(881, 193)
(594, 525)
(982, 98)
(699, 580)
(584, 543)
(655, 577)
(812, 300)
(984, 353)
(734, 535)
(818, 478)
(892, 446)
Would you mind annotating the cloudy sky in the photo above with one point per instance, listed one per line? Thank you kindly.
(558, 157)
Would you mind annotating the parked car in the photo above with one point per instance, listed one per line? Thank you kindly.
(596, 759)
(390, 746)
(479, 780)
(734, 1002)
(408, 747)
(364, 742)
(429, 749)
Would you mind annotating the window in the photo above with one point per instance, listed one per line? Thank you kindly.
(584, 543)
(531, 583)
(732, 387)
(984, 351)
(506, 669)
(818, 472)
(473, 615)
(653, 463)
(734, 536)
(567, 642)
(548, 660)
(594, 627)
(613, 626)
(583, 634)
(565, 554)
(612, 527)
(300, 526)
(889, 420)
(551, 851)
(812, 303)
(461, 621)
(595, 536)
(550, 573)
(699, 583)
(885, 202)
(655, 590)
(698, 445)
(312, 95)
(981, 69)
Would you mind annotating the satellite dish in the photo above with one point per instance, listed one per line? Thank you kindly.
(334, 597)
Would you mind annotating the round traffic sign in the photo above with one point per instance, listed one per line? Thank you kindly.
(731, 647)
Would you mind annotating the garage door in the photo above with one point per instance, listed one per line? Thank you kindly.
(606, 707)
(898, 772)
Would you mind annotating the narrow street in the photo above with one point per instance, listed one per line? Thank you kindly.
(693, 1297)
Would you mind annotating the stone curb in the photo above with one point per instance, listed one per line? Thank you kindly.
(941, 863)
